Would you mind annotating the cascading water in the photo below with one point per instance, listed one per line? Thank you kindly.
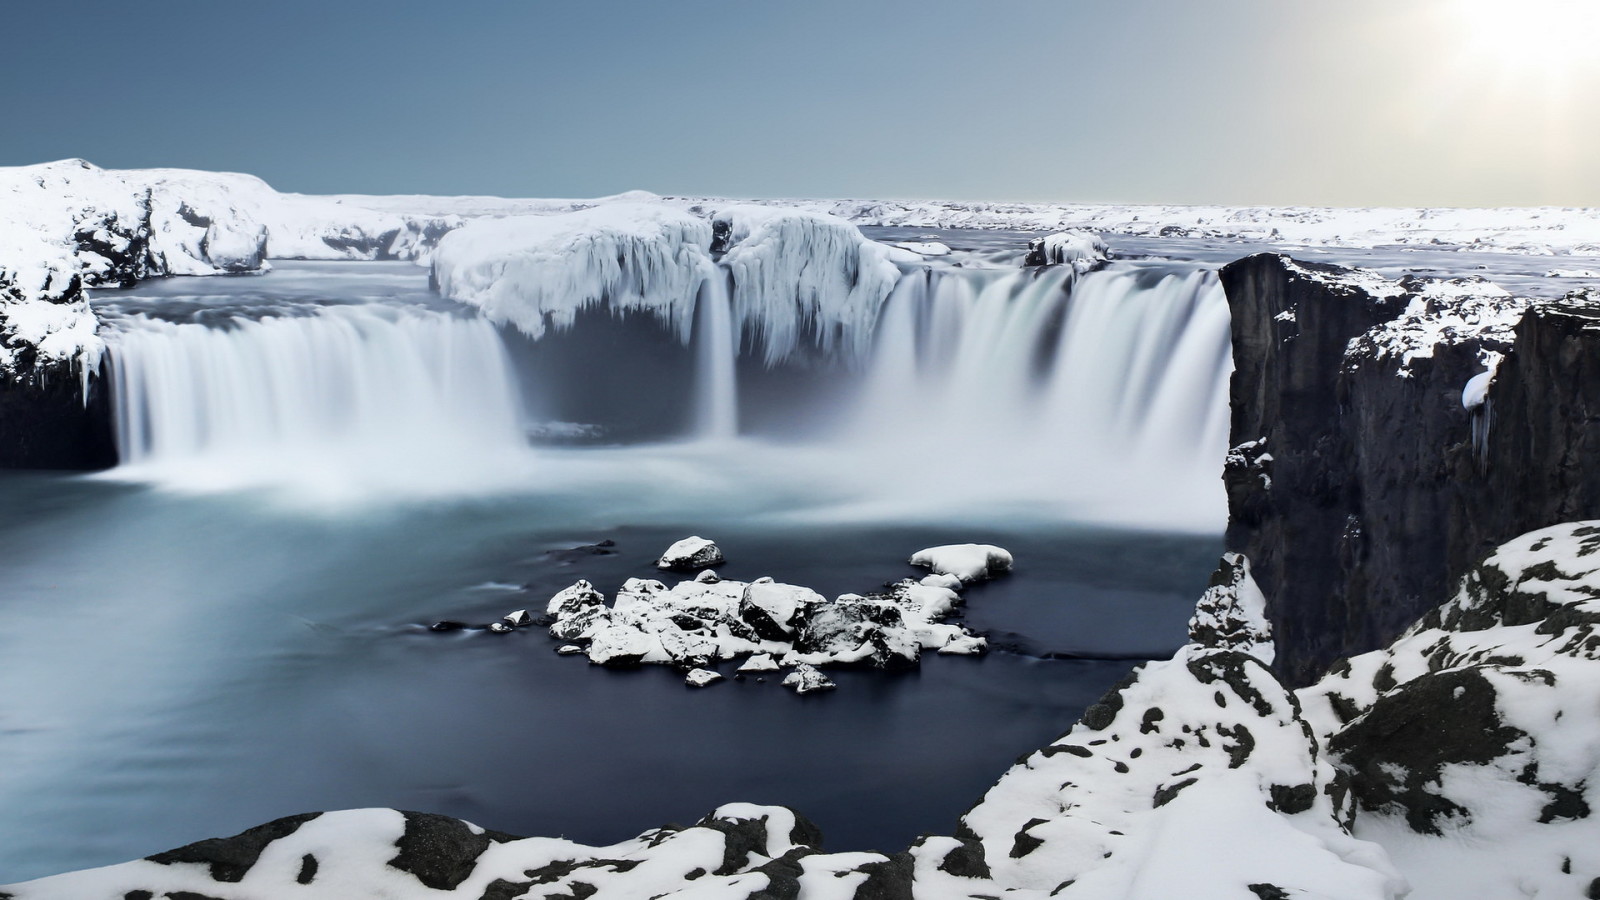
(1109, 388)
(717, 390)
(1097, 397)
(349, 396)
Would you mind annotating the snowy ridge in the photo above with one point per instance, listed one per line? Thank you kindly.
(1539, 231)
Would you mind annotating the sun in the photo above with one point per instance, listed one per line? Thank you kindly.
(1529, 37)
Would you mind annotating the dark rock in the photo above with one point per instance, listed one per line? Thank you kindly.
(230, 858)
(308, 869)
(1023, 843)
(1356, 528)
(439, 851)
(966, 861)
(1396, 751)
(888, 880)
(45, 422)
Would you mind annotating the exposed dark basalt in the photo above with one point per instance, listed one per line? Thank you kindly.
(45, 422)
(1355, 486)
(230, 859)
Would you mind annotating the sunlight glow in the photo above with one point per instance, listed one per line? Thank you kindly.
(1532, 37)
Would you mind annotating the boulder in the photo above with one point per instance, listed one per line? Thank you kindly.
(691, 554)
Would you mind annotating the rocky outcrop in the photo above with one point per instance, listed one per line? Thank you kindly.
(46, 422)
(1360, 485)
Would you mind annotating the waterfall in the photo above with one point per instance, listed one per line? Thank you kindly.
(1108, 388)
(717, 387)
(350, 395)
(1099, 396)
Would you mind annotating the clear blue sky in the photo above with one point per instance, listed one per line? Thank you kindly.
(1339, 102)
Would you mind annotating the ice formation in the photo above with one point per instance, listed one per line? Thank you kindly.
(539, 271)
(792, 275)
(795, 271)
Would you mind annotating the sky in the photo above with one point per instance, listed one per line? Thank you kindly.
(1240, 102)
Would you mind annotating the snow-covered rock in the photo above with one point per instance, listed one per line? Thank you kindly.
(701, 677)
(1082, 251)
(806, 679)
(690, 554)
(1461, 761)
(1232, 613)
(577, 598)
(772, 624)
(761, 662)
(1473, 741)
(968, 562)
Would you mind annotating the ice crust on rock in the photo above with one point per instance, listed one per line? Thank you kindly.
(967, 562)
(690, 554)
(794, 270)
(792, 274)
(536, 272)
(1082, 251)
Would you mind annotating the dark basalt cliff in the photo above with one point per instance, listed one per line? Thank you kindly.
(45, 422)
(1356, 485)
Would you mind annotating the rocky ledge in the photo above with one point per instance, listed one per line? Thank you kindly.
(1388, 434)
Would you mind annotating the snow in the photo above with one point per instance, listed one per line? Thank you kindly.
(967, 562)
(1520, 630)
(1198, 775)
(1441, 312)
(1477, 390)
(805, 679)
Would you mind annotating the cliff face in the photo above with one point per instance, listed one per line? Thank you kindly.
(1360, 486)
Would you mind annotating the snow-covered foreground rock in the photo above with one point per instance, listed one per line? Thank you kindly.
(1460, 762)
(768, 625)
(1473, 742)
